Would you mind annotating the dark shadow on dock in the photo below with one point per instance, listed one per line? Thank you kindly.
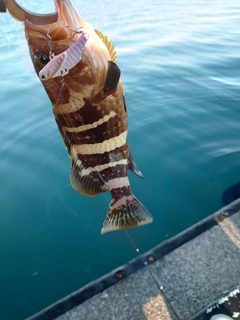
(173, 281)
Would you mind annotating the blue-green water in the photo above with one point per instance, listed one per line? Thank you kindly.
(180, 63)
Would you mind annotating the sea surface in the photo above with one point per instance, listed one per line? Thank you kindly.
(180, 67)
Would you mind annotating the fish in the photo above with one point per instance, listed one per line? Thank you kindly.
(77, 67)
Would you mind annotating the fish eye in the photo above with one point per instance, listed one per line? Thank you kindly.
(42, 60)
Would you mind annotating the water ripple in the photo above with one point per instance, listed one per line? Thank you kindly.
(179, 64)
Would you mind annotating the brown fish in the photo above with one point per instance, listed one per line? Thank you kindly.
(76, 65)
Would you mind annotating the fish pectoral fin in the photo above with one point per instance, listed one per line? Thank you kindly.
(108, 44)
(111, 83)
(89, 185)
(130, 213)
(112, 78)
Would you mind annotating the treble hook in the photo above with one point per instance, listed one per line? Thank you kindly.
(75, 32)
(48, 40)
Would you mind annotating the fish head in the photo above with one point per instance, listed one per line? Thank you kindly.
(58, 34)
(45, 41)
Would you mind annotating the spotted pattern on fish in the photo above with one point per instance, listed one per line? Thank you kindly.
(91, 114)
(100, 130)
(91, 125)
(102, 167)
(92, 160)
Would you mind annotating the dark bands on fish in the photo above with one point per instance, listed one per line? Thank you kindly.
(66, 141)
(88, 114)
(116, 171)
(112, 128)
(118, 193)
(92, 160)
(89, 107)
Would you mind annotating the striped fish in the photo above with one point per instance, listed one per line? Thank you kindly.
(90, 111)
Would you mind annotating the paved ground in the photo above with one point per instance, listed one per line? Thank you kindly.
(176, 286)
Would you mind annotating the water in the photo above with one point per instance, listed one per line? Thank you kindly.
(180, 69)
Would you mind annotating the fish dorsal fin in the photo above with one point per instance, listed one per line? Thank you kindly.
(108, 44)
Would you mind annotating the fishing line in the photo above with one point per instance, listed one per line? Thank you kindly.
(159, 286)
(58, 183)
(61, 199)
(144, 262)
(48, 39)
(62, 82)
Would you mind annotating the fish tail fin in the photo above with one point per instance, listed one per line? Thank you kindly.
(127, 212)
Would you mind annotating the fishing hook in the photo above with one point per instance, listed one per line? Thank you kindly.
(75, 32)
(48, 40)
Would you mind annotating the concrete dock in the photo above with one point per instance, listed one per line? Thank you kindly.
(191, 276)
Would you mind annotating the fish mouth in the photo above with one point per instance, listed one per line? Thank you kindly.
(64, 11)
(21, 14)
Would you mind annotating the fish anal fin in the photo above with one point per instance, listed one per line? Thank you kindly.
(130, 213)
(89, 185)
(108, 44)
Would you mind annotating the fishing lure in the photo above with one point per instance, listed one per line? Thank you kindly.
(60, 64)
